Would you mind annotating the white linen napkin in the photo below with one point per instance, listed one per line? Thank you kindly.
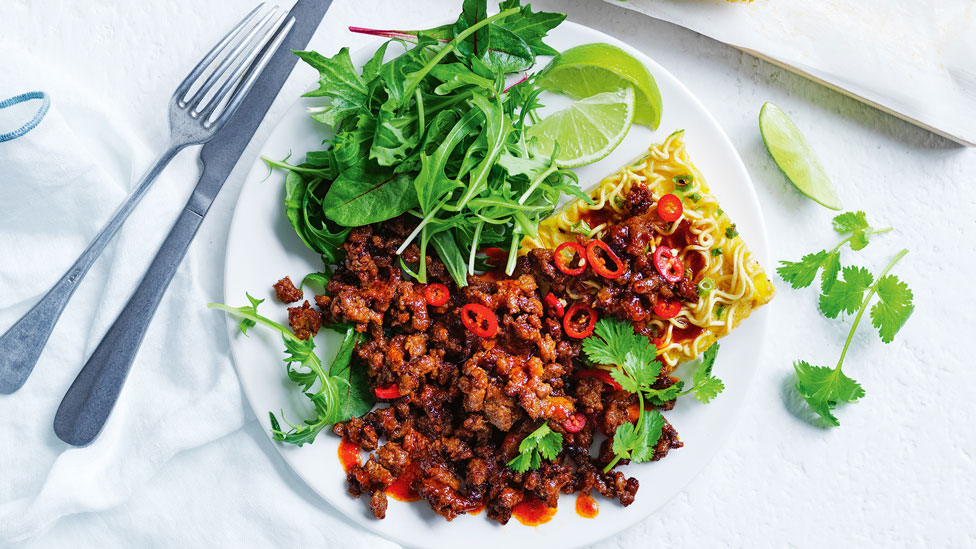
(914, 59)
(181, 436)
(59, 183)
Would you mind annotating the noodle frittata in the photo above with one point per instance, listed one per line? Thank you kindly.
(731, 282)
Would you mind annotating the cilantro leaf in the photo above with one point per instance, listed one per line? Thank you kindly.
(627, 383)
(543, 443)
(823, 388)
(891, 312)
(637, 442)
(659, 397)
(641, 364)
(800, 274)
(847, 295)
(848, 222)
(614, 338)
(647, 437)
(704, 384)
(523, 462)
(831, 268)
(859, 240)
(624, 440)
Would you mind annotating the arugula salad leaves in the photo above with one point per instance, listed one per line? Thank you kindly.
(338, 394)
(433, 132)
(825, 388)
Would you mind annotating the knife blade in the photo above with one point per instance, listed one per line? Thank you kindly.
(90, 399)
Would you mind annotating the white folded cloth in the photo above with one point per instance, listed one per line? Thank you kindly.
(59, 183)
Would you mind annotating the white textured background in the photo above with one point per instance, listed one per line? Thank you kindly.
(900, 471)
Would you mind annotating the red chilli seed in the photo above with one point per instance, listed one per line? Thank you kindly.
(575, 423)
(571, 322)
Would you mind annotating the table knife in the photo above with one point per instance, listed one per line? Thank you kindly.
(90, 399)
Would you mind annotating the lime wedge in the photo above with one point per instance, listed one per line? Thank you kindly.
(590, 69)
(588, 129)
(793, 155)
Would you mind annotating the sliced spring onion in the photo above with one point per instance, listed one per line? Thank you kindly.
(581, 227)
(683, 181)
(705, 286)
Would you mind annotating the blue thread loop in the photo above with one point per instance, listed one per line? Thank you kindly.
(34, 121)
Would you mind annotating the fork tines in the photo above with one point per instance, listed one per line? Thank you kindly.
(219, 82)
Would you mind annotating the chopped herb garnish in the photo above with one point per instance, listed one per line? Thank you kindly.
(731, 232)
(705, 286)
(716, 252)
(684, 181)
(543, 443)
(636, 368)
(581, 227)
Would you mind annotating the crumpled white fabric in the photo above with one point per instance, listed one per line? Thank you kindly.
(59, 184)
(181, 436)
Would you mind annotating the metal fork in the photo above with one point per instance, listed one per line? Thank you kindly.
(196, 114)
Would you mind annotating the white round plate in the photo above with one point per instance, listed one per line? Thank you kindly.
(263, 248)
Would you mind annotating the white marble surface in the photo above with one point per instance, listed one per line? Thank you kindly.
(900, 471)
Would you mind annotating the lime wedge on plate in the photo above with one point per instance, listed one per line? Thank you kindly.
(793, 155)
(590, 69)
(588, 129)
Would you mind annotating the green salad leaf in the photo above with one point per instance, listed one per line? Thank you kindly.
(337, 395)
(432, 132)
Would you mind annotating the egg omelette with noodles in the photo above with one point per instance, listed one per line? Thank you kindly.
(659, 215)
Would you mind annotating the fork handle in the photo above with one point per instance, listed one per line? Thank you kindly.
(21, 345)
(91, 398)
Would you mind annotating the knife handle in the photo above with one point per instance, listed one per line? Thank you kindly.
(91, 398)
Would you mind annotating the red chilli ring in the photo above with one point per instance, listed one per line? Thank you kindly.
(436, 294)
(669, 207)
(480, 320)
(570, 328)
(600, 266)
(563, 264)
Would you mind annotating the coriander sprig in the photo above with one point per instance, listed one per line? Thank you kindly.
(614, 343)
(800, 274)
(539, 444)
(821, 387)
